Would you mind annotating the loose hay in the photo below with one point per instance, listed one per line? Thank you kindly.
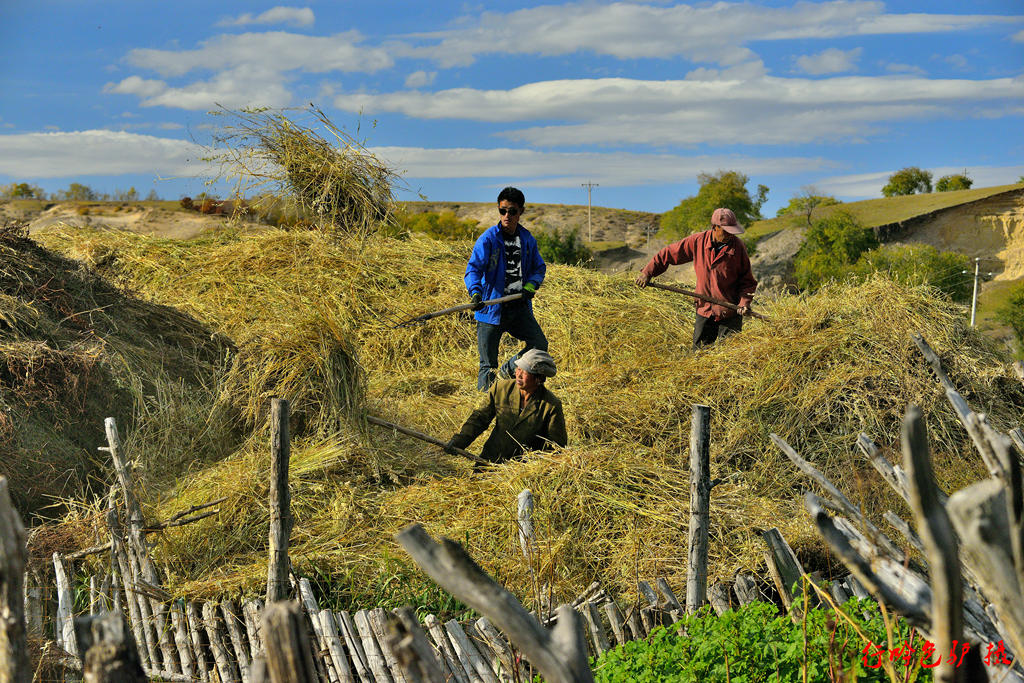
(337, 181)
(613, 505)
(74, 350)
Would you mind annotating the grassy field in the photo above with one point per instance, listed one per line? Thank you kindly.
(611, 505)
(874, 212)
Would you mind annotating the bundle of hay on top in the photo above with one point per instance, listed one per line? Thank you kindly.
(340, 184)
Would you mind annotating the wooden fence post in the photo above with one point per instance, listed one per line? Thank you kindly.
(525, 521)
(280, 503)
(65, 615)
(109, 652)
(700, 504)
(14, 664)
(560, 654)
(286, 643)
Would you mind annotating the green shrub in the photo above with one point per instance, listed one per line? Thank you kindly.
(753, 644)
(562, 247)
(832, 245)
(916, 264)
(1011, 312)
(949, 183)
(442, 226)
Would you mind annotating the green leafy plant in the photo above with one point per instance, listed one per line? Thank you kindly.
(958, 181)
(918, 264)
(442, 226)
(909, 180)
(753, 644)
(1011, 312)
(831, 246)
(562, 247)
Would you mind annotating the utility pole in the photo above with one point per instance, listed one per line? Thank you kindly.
(974, 296)
(590, 230)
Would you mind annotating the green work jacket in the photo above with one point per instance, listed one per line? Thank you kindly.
(539, 425)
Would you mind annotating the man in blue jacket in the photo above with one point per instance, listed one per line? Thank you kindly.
(505, 260)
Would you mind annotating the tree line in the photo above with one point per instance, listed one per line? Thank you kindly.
(75, 192)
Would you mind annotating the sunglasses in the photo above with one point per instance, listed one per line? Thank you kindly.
(511, 211)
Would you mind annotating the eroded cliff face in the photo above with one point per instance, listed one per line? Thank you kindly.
(990, 228)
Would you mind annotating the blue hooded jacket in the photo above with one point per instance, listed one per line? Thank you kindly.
(485, 272)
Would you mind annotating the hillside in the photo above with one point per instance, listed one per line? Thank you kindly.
(611, 504)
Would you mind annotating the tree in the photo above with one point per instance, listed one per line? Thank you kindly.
(958, 181)
(723, 189)
(129, 195)
(908, 181)
(152, 196)
(22, 191)
(832, 245)
(805, 203)
(921, 264)
(77, 192)
(1011, 312)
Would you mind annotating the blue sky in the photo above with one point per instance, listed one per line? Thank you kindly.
(466, 98)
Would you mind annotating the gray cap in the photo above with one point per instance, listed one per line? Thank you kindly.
(537, 362)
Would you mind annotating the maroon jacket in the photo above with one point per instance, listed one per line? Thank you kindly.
(726, 275)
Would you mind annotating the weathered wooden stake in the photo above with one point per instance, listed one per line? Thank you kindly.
(468, 654)
(334, 647)
(444, 646)
(354, 643)
(560, 655)
(215, 634)
(700, 506)
(110, 653)
(374, 655)
(14, 664)
(611, 610)
(280, 502)
(287, 646)
(233, 622)
(195, 629)
(746, 589)
(785, 569)
(410, 645)
(65, 616)
(939, 539)
(525, 521)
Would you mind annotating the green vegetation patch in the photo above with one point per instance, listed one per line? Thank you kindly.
(754, 644)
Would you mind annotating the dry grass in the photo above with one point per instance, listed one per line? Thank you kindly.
(340, 183)
(74, 350)
(614, 503)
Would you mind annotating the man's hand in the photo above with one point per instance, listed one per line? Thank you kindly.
(449, 447)
(529, 289)
(478, 301)
(743, 310)
(642, 279)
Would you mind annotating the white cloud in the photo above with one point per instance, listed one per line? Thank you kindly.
(957, 61)
(569, 169)
(292, 16)
(241, 86)
(133, 85)
(272, 51)
(96, 152)
(766, 110)
(418, 79)
(898, 68)
(715, 32)
(831, 61)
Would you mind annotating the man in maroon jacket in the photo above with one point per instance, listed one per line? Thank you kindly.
(723, 271)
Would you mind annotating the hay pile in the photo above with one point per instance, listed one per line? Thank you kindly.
(613, 505)
(74, 350)
(335, 180)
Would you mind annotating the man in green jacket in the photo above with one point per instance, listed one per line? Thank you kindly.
(527, 415)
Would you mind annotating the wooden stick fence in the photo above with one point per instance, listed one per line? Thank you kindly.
(231, 642)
